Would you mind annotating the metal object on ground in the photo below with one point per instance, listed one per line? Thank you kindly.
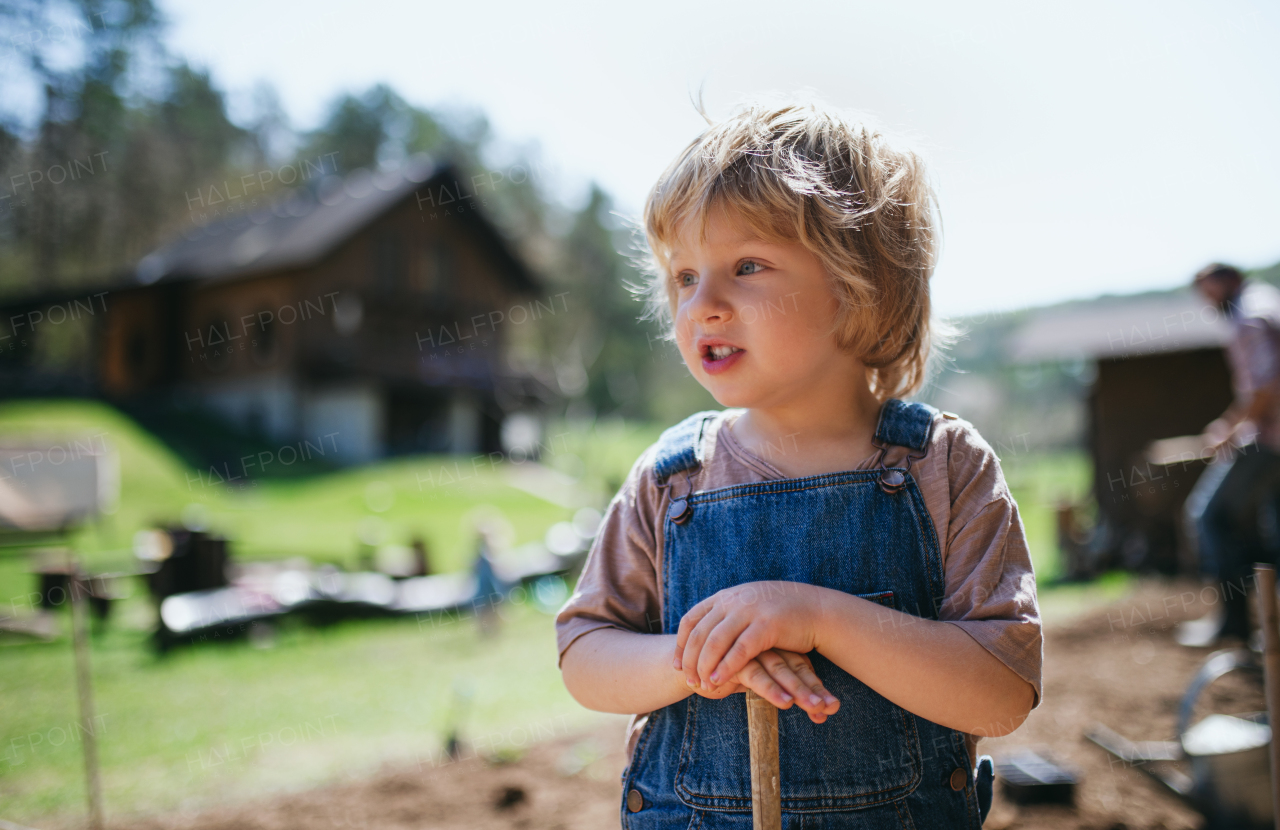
(1227, 755)
(1035, 777)
(258, 592)
(766, 794)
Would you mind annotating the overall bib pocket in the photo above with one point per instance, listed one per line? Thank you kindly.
(820, 771)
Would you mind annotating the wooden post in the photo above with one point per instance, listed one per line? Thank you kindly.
(1265, 575)
(766, 795)
(84, 686)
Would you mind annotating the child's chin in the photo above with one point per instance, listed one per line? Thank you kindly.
(729, 397)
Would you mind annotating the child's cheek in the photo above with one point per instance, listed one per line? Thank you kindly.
(684, 338)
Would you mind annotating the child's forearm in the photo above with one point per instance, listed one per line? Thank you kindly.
(611, 670)
(931, 668)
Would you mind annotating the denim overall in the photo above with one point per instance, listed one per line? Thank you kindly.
(866, 532)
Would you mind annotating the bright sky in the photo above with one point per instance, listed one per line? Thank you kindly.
(1078, 148)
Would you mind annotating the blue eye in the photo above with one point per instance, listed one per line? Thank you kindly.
(686, 279)
(750, 267)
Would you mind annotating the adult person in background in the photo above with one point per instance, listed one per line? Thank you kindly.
(1237, 492)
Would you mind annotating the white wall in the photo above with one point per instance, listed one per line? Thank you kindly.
(267, 402)
(353, 414)
(464, 424)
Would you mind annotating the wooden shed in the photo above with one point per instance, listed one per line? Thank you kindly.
(1161, 372)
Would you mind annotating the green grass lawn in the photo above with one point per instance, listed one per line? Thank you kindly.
(1039, 482)
(188, 729)
(227, 721)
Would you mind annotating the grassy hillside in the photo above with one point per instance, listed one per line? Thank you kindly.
(321, 517)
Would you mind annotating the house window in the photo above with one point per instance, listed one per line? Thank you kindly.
(135, 351)
(389, 265)
(439, 271)
(217, 343)
(348, 313)
(265, 344)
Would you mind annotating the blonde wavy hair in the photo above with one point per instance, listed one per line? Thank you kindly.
(863, 206)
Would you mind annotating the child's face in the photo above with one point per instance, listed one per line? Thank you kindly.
(753, 317)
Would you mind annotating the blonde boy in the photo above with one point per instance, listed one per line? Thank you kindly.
(855, 559)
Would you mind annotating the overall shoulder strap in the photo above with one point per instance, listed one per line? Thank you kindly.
(905, 424)
(680, 447)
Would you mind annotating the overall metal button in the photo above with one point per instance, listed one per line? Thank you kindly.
(635, 801)
(891, 481)
(958, 779)
(679, 511)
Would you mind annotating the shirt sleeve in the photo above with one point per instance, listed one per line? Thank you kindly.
(618, 587)
(990, 582)
(1259, 354)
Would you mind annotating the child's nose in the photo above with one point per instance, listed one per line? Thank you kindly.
(709, 304)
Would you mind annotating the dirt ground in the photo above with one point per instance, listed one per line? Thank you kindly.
(1117, 665)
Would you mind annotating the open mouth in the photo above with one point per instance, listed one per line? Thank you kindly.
(717, 353)
(720, 357)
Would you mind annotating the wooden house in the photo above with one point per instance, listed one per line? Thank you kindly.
(371, 314)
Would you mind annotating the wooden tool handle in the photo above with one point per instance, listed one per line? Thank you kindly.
(766, 796)
(1265, 576)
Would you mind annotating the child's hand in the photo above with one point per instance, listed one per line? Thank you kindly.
(719, 635)
(782, 678)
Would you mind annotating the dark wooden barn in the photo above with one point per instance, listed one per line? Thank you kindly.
(1160, 372)
(370, 314)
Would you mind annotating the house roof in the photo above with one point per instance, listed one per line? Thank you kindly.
(303, 226)
(1117, 327)
(300, 227)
